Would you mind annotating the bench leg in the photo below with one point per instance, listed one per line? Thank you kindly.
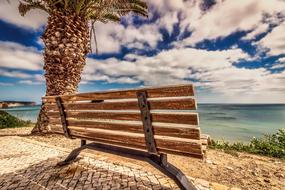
(160, 162)
(83, 142)
(73, 154)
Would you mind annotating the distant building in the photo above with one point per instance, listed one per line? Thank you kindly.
(8, 104)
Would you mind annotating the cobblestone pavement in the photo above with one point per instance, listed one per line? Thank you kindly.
(25, 164)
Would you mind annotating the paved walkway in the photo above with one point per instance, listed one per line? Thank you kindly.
(27, 164)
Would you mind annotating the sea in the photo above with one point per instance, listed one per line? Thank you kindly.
(230, 122)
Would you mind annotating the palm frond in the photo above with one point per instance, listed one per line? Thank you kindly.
(91, 10)
(29, 5)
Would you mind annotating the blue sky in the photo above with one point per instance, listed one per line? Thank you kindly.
(232, 51)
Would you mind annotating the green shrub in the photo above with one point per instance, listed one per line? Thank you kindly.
(268, 145)
(9, 121)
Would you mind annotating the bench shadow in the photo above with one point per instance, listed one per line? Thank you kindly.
(49, 134)
(19, 135)
(83, 174)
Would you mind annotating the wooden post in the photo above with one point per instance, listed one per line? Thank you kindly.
(146, 120)
(62, 117)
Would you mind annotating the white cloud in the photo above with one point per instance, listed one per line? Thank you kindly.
(278, 66)
(274, 41)
(227, 17)
(17, 56)
(107, 39)
(167, 67)
(164, 6)
(111, 36)
(30, 82)
(6, 84)
(282, 59)
(10, 13)
(39, 78)
(262, 28)
(13, 74)
(213, 70)
(168, 21)
(242, 85)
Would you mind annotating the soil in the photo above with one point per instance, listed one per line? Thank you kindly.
(242, 170)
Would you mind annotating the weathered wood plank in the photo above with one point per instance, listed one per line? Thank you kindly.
(172, 104)
(168, 91)
(164, 144)
(205, 139)
(178, 118)
(171, 131)
(130, 138)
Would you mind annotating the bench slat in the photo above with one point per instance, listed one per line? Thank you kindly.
(170, 91)
(176, 104)
(166, 145)
(178, 118)
(171, 131)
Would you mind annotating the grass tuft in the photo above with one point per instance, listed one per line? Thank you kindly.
(9, 121)
(268, 145)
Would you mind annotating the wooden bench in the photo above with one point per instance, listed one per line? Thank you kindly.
(142, 123)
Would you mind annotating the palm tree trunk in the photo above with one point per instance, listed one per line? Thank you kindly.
(66, 40)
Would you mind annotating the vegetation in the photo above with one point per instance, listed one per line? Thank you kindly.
(67, 38)
(268, 145)
(9, 121)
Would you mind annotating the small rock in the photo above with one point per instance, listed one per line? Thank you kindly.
(254, 173)
(280, 175)
(259, 179)
(200, 187)
(217, 186)
(278, 162)
(209, 161)
(267, 180)
(202, 182)
(229, 168)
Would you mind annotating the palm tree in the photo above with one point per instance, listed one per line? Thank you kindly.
(67, 38)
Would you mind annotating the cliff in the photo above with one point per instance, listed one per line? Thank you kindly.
(8, 104)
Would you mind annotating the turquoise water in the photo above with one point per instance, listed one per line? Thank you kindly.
(240, 122)
(25, 112)
(232, 122)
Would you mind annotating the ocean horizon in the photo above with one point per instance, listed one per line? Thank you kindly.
(231, 122)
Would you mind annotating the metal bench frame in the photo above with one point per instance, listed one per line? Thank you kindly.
(158, 160)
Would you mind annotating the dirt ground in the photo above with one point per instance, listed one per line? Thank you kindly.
(242, 170)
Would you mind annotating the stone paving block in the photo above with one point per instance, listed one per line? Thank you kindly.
(28, 165)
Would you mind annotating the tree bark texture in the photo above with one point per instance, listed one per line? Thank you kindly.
(66, 40)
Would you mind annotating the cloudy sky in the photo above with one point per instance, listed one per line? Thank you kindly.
(232, 51)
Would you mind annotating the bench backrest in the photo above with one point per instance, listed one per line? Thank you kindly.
(115, 117)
